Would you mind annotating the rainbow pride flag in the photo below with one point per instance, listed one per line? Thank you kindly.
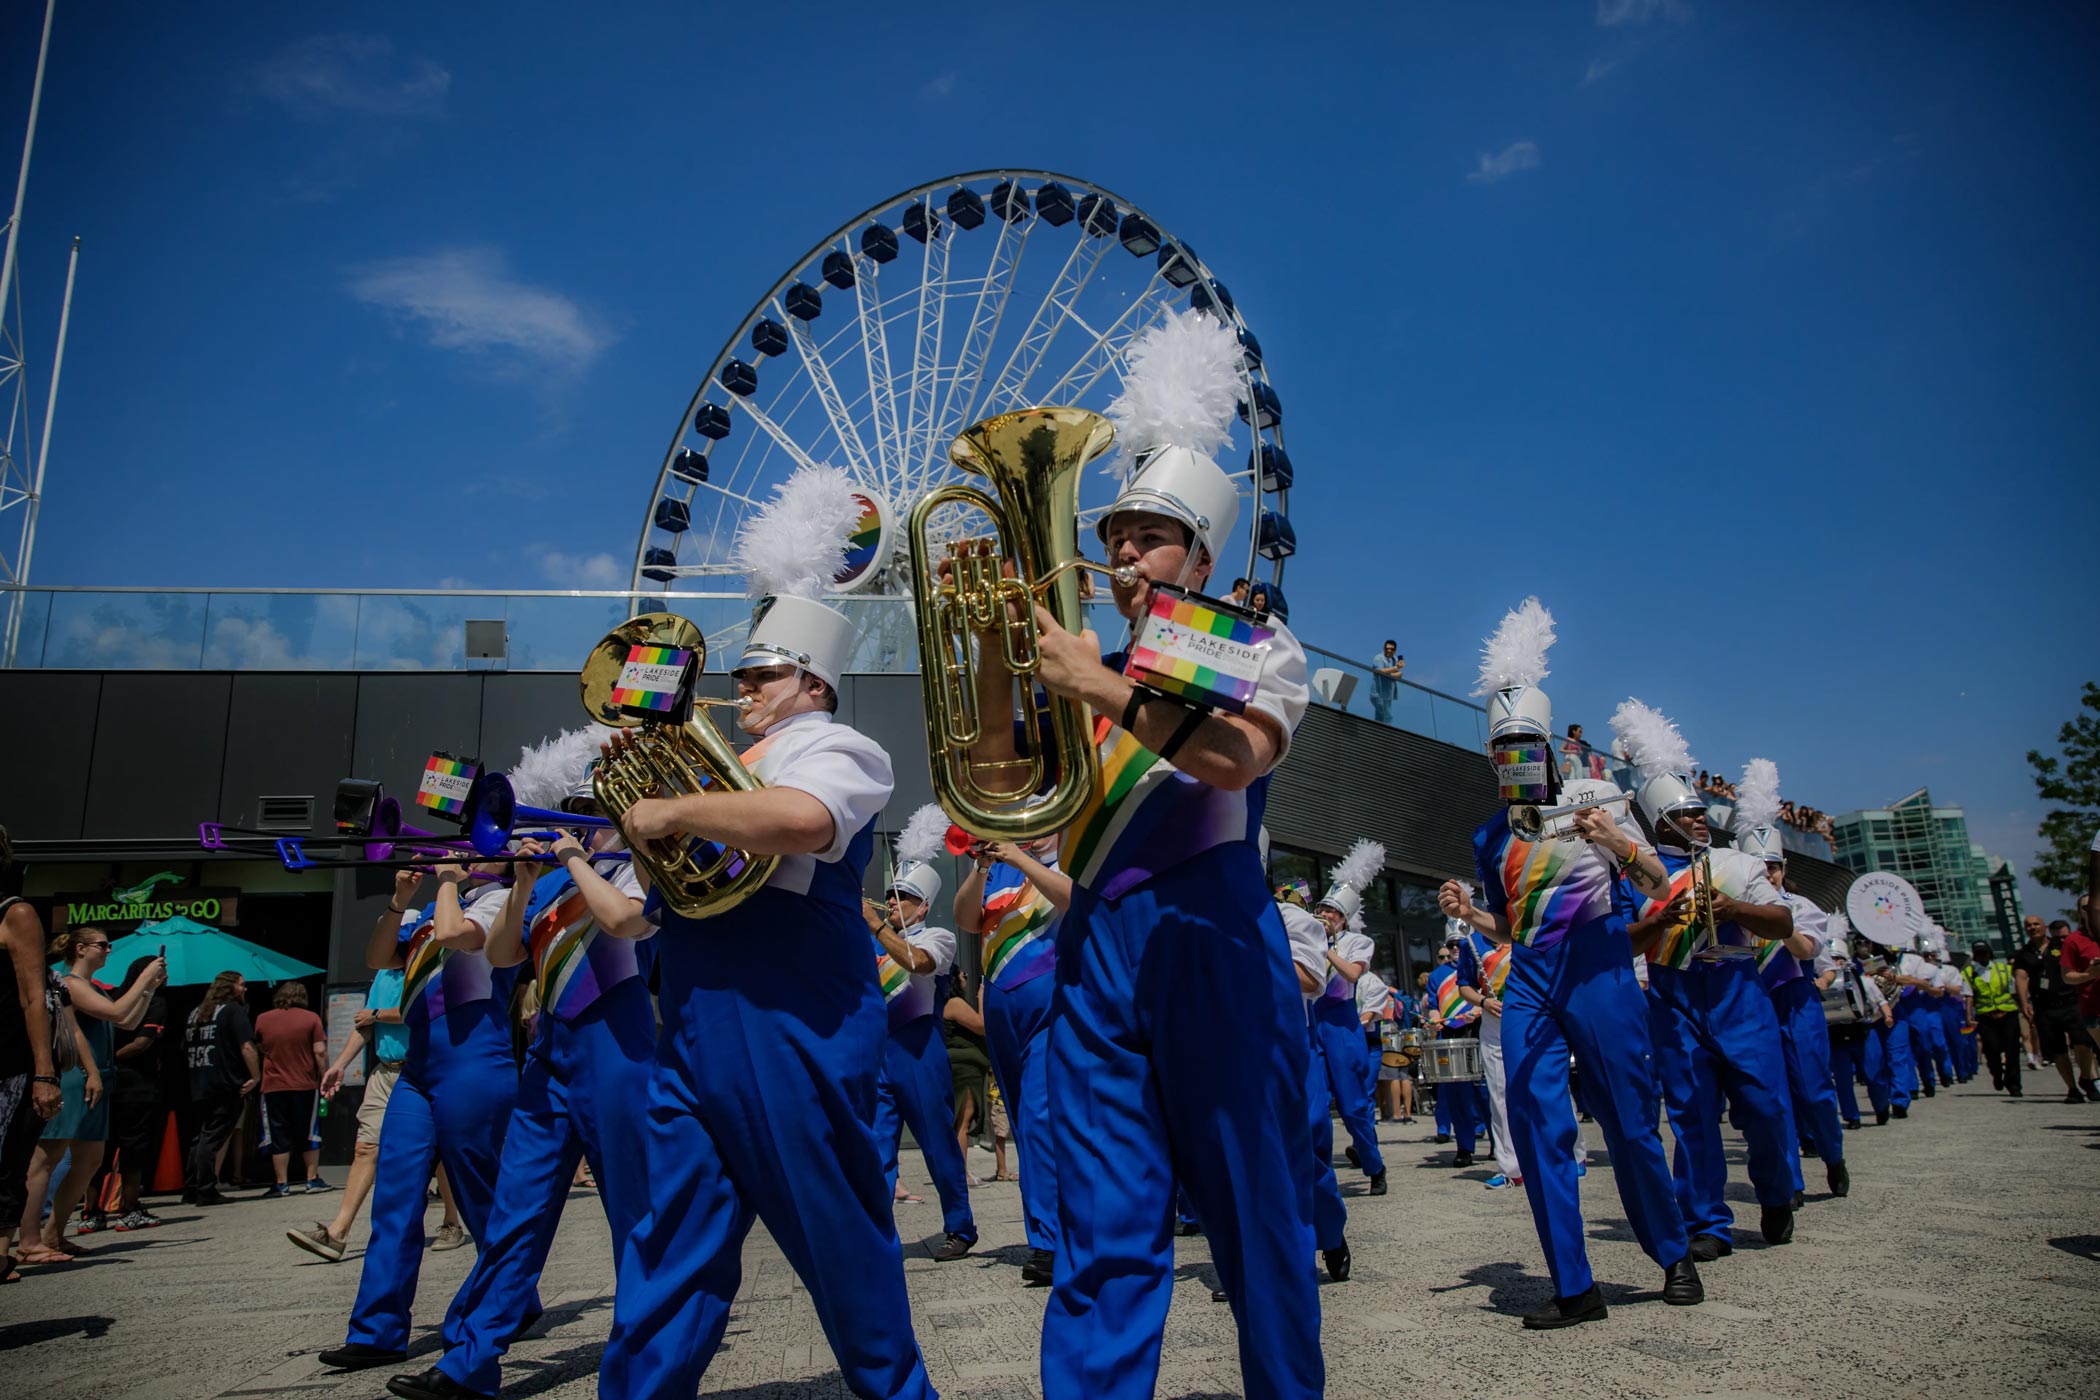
(1211, 659)
(650, 679)
(447, 781)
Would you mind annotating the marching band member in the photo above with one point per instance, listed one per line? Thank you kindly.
(1483, 969)
(1012, 898)
(1787, 972)
(762, 1103)
(1379, 1005)
(452, 1102)
(1171, 935)
(917, 1087)
(1570, 985)
(1337, 1032)
(1714, 1030)
(1918, 1022)
(1856, 1050)
(1955, 1018)
(1312, 951)
(1452, 1018)
(584, 1092)
(1893, 1038)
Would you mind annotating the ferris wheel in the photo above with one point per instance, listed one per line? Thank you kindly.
(964, 297)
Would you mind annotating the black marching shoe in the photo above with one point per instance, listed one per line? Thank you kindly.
(1219, 1295)
(1337, 1261)
(2074, 1097)
(1931, 1092)
(1707, 1248)
(1777, 1223)
(356, 1356)
(432, 1384)
(1851, 1125)
(1900, 1111)
(1186, 1228)
(1356, 1159)
(1463, 1159)
(953, 1248)
(1569, 1312)
(1881, 1118)
(1840, 1178)
(1377, 1185)
(1800, 1200)
(1441, 1137)
(2016, 1092)
(1681, 1286)
(1041, 1268)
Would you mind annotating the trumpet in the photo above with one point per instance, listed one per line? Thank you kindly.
(1702, 914)
(1032, 458)
(696, 877)
(1534, 823)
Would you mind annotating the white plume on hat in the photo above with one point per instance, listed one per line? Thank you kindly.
(1653, 743)
(1361, 866)
(1757, 799)
(796, 543)
(551, 770)
(1516, 654)
(1181, 389)
(925, 834)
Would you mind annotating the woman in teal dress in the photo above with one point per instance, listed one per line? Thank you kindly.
(82, 1124)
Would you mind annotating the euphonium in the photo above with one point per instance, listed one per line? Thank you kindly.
(1032, 458)
(697, 877)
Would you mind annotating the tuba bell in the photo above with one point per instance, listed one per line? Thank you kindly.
(697, 877)
(1032, 459)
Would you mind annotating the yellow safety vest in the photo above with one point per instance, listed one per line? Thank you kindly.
(1993, 988)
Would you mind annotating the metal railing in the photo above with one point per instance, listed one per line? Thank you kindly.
(424, 629)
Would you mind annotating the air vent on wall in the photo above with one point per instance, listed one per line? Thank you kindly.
(285, 813)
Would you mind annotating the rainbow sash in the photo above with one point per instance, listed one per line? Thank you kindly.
(1454, 1008)
(420, 969)
(1145, 818)
(559, 938)
(1016, 924)
(1494, 969)
(908, 997)
(1679, 947)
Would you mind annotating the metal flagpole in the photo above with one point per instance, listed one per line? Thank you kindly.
(43, 457)
(14, 479)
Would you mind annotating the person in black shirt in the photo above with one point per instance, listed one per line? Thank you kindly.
(136, 1110)
(225, 1067)
(2051, 1005)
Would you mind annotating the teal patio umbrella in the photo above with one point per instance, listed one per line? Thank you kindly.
(198, 952)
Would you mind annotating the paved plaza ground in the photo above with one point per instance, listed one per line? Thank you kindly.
(1965, 1262)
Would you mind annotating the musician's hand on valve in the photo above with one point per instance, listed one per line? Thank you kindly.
(1454, 899)
(1596, 824)
(648, 819)
(1069, 659)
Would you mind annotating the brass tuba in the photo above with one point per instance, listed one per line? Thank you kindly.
(697, 877)
(1032, 458)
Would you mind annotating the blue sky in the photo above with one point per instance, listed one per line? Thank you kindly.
(1759, 341)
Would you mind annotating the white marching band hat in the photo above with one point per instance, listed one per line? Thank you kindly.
(1179, 396)
(918, 879)
(1357, 869)
(1755, 823)
(1663, 759)
(1512, 663)
(800, 632)
(791, 550)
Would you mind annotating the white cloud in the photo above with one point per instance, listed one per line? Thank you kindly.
(1515, 157)
(355, 73)
(582, 570)
(939, 87)
(1598, 69)
(1612, 13)
(466, 299)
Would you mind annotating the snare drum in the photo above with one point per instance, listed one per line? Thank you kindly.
(1411, 1044)
(1452, 1062)
(1845, 1001)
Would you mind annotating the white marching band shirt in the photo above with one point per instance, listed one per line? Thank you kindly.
(839, 766)
(1308, 938)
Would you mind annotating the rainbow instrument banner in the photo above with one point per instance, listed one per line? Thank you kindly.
(447, 782)
(652, 680)
(1200, 650)
(1523, 772)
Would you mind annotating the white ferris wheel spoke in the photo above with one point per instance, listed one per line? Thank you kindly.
(984, 327)
(926, 351)
(1107, 350)
(772, 430)
(842, 425)
(875, 351)
(1049, 319)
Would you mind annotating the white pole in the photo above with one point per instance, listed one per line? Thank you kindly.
(36, 98)
(43, 458)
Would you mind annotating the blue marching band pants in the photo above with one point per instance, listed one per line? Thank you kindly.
(917, 1089)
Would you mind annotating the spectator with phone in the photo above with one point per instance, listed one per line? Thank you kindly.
(1386, 667)
(89, 1017)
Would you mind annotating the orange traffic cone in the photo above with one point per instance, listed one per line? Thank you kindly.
(167, 1173)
